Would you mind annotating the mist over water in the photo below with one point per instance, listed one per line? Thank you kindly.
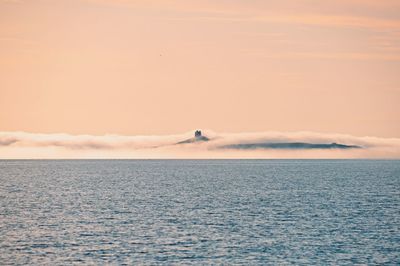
(210, 145)
(200, 211)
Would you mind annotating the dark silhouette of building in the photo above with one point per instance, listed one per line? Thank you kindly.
(197, 134)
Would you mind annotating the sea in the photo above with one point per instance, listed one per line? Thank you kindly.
(201, 212)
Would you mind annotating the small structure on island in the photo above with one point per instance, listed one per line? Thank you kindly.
(198, 137)
(197, 134)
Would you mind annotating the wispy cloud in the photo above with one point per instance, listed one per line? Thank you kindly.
(338, 16)
(271, 12)
(334, 20)
(333, 55)
(308, 19)
(12, 1)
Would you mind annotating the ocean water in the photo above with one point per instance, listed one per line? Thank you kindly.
(250, 212)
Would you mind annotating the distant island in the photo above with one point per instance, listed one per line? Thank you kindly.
(288, 146)
(198, 137)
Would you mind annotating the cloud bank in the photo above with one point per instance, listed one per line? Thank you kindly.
(15, 145)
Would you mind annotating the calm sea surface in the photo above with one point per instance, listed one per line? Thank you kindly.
(200, 212)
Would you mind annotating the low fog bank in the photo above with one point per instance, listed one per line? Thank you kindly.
(219, 145)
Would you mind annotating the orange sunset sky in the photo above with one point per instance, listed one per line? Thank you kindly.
(165, 67)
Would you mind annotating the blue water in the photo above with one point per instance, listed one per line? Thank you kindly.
(200, 212)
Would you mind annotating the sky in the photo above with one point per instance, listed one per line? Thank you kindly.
(164, 68)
